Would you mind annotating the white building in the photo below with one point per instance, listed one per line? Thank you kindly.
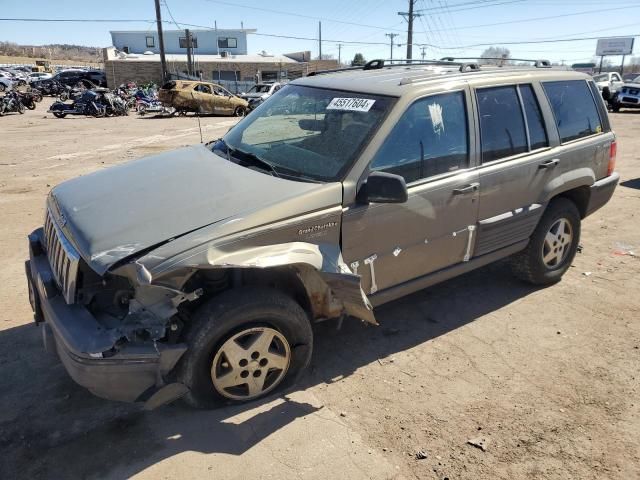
(205, 42)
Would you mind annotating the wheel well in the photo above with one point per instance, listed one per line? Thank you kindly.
(580, 197)
(283, 279)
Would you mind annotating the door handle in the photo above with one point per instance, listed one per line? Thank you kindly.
(472, 187)
(549, 164)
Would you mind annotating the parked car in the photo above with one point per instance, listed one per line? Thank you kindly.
(199, 272)
(5, 84)
(608, 83)
(201, 97)
(260, 92)
(73, 77)
(35, 76)
(628, 77)
(627, 97)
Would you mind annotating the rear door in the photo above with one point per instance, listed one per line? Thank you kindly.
(430, 146)
(517, 162)
(535, 139)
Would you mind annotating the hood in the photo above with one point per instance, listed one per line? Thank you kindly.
(254, 95)
(117, 212)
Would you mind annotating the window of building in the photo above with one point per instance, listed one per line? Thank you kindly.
(229, 75)
(227, 42)
(183, 42)
(431, 138)
(574, 109)
(269, 76)
(151, 42)
(502, 130)
(535, 122)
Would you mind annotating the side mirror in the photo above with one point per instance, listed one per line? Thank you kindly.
(383, 187)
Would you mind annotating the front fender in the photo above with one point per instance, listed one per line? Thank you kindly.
(332, 288)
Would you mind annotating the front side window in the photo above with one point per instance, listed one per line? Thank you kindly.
(307, 133)
(203, 89)
(574, 109)
(151, 42)
(431, 138)
(502, 130)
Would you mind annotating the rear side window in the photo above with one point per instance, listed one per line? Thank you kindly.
(535, 123)
(502, 130)
(574, 109)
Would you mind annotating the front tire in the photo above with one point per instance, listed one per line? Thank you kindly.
(552, 246)
(242, 345)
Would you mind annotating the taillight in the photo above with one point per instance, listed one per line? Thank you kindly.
(613, 150)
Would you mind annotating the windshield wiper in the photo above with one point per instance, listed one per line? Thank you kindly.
(255, 159)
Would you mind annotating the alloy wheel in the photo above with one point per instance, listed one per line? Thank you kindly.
(250, 363)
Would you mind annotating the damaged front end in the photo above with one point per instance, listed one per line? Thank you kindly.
(121, 336)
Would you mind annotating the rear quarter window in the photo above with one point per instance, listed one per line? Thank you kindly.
(574, 109)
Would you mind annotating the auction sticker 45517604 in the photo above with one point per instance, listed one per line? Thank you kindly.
(351, 104)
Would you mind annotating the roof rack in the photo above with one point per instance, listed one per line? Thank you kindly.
(379, 64)
(537, 63)
(460, 62)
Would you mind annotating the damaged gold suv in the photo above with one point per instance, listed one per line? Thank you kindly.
(198, 273)
(201, 97)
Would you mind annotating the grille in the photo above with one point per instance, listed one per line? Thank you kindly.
(63, 258)
(629, 99)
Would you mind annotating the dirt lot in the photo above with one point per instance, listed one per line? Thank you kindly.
(549, 377)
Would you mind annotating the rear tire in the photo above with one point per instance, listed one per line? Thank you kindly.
(250, 313)
(59, 114)
(552, 246)
(240, 112)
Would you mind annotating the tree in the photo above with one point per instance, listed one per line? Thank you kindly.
(358, 59)
(495, 52)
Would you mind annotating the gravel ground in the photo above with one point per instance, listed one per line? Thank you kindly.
(545, 379)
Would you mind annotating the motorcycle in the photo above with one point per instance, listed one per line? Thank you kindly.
(88, 104)
(29, 99)
(114, 104)
(11, 103)
(49, 87)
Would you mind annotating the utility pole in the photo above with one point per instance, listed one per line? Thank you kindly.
(319, 40)
(163, 61)
(187, 34)
(409, 16)
(423, 51)
(391, 37)
(339, 54)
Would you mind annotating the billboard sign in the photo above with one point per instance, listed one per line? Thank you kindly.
(614, 46)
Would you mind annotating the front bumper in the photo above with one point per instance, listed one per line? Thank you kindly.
(601, 192)
(627, 100)
(98, 358)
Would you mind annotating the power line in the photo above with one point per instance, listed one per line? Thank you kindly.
(300, 15)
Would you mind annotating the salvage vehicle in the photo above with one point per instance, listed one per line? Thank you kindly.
(259, 93)
(627, 97)
(608, 83)
(198, 273)
(201, 97)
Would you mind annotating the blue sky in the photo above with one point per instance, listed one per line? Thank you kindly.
(452, 27)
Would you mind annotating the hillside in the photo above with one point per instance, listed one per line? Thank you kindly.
(55, 52)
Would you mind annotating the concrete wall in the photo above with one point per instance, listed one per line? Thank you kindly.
(121, 71)
(137, 41)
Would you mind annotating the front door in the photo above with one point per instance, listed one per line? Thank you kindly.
(388, 244)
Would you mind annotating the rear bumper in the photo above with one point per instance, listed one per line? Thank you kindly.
(601, 192)
(97, 358)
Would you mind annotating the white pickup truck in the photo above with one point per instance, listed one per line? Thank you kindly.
(608, 83)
